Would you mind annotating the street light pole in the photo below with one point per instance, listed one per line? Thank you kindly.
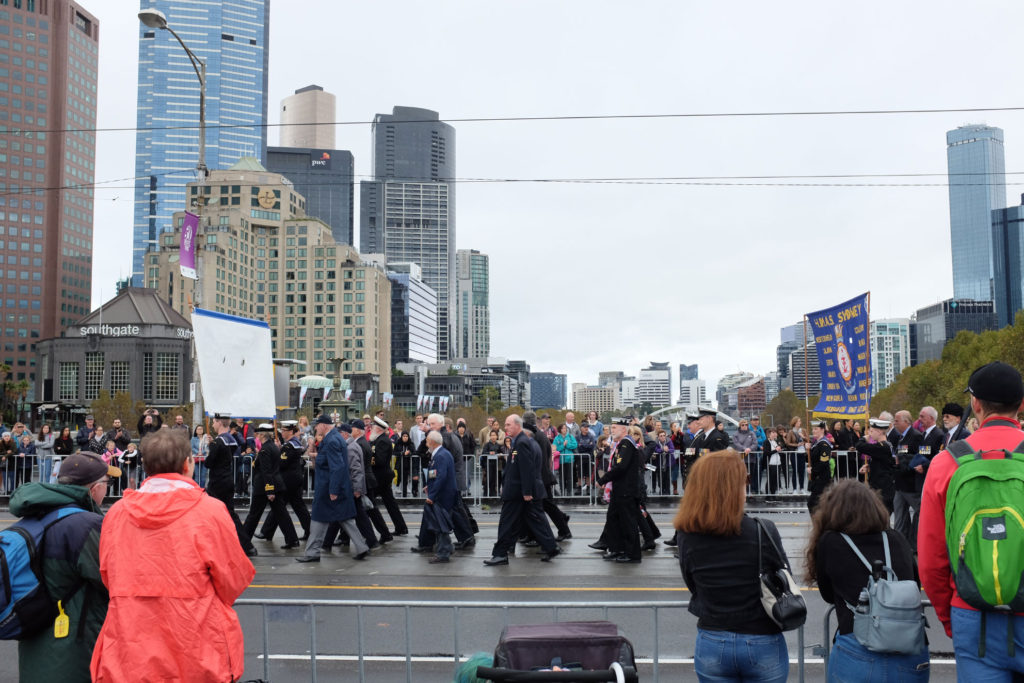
(154, 18)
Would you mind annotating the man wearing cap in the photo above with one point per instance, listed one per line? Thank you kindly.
(71, 569)
(694, 444)
(220, 479)
(952, 421)
(381, 452)
(997, 398)
(268, 486)
(85, 433)
(820, 465)
(623, 506)
(333, 498)
(359, 431)
(293, 474)
(715, 439)
(875, 453)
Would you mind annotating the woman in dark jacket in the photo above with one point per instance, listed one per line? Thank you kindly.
(879, 462)
(851, 508)
(404, 450)
(718, 554)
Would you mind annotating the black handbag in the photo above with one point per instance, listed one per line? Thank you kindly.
(780, 595)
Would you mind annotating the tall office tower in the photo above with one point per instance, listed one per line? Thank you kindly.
(692, 393)
(977, 186)
(307, 118)
(937, 324)
(324, 178)
(407, 212)
(687, 371)
(548, 390)
(1008, 262)
(805, 382)
(653, 385)
(890, 351)
(231, 37)
(413, 316)
(49, 59)
(472, 304)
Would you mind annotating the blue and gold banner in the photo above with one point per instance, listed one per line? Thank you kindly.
(840, 334)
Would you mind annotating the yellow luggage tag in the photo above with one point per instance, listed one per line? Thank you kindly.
(62, 625)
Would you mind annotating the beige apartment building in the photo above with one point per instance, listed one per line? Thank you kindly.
(259, 256)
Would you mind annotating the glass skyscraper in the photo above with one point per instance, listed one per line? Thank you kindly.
(231, 37)
(1008, 262)
(473, 310)
(407, 212)
(977, 186)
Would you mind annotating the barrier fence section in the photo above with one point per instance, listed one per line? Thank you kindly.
(554, 608)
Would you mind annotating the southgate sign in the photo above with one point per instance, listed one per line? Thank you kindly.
(125, 331)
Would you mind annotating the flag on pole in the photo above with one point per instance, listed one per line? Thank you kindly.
(327, 392)
(369, 393)
(348, 394)
(187, 247)
(302, 395)
(841, 336)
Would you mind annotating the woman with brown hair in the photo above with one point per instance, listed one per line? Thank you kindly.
(719, 558)
(852, 509)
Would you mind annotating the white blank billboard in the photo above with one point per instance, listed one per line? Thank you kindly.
(236, 366)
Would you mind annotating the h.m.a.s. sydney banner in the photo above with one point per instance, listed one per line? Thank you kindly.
(840, 334)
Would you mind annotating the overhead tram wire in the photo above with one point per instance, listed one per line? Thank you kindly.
(566, 117)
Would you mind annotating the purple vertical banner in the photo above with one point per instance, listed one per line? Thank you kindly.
(187, 252)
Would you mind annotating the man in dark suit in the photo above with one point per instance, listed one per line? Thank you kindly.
(441, 493)
(715, 439)
(558, 518)
(624, 503)
(907, 497)
(952, 420)
(521, 494)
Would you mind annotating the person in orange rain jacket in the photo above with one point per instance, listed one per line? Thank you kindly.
(171, 560)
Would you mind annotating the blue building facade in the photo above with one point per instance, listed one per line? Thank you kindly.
(977, 187)
(1008, 262)
(413, 316)
(548, 390)
(231, 37)
(324, 178)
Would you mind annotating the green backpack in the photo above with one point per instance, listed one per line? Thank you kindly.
(985, 528)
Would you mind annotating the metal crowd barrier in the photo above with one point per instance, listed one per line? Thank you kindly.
(825, 649)
(457, 653)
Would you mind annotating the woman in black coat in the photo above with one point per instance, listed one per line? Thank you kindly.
(879, 462)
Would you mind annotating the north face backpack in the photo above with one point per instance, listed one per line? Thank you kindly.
(26, 607)
(985, 528)
(888, 617)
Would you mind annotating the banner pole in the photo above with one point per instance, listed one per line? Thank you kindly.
(871, 376)
(807, 399)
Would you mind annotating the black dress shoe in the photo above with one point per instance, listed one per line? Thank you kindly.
(671, 542)
(495, 561)
(289, 546)
(419, 549)
(468, 543)
(438, 560)
(361, 556)
(550, 555)
(597, 545)
(251, 552)
(610, 556)
(625, 559)
(531, 544)
(260, 536)
(386, 539)
(304, 537)
(402, 533)
(564, 536)
(650, 545)
(308, 558)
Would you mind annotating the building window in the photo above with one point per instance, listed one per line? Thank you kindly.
(68, 381)
(167, 379)
(147, 376)
(93, 374)
(119, 377)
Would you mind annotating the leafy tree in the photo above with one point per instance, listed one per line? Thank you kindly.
(783, 408)
(106, 407)
(489, 400)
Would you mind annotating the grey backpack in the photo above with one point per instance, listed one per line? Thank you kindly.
(888, 617)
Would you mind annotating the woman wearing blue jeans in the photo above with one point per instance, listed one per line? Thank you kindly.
(718, 555)
(852, 508)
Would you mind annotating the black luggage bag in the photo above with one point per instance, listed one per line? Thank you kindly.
(593, 650)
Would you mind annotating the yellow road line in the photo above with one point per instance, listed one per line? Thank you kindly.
(528, 589)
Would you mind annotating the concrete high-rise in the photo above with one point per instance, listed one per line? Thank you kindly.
(407, 212)
(231, 37)
(324, 178)
(1008, 262)
(472, 304)
(977, 187)
(49, 60)
(307, 118)
(890, 351)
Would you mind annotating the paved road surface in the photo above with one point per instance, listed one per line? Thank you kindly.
(395, 574)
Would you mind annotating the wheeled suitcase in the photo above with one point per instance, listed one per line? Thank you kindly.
(590, 650)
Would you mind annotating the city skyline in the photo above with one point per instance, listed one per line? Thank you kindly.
(575, 230)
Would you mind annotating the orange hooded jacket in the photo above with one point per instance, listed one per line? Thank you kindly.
(170, 557)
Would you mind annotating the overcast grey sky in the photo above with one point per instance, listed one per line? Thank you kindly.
(589, 277)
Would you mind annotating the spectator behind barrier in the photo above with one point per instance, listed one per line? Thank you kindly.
(170, 556)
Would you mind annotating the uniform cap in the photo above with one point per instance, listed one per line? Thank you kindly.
(996, 382)
(265, 427)
(879, 424)
(380, 422)
(954, 409)
(708, 411)
(324, 419)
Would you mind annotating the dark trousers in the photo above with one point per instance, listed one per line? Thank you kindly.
(460, 521)
(648, 529)
(516, 516)
(277, 510)
(623, 523)
(293, 498)
(226, 495)
(387, 497)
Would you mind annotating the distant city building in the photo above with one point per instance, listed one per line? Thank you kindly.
(548, 390)
(890, 351)
(261, 258)
(939, 323)
(413, 316)
(805, 383)
(472, 304)
(307, 119)
(49, 58)
(628, 389)
(610, 378)
(1008, 262)
(601, 399)
(693, 393)
(654, 385)
(751, 398)
(726, 393)
(324, 177)
(465, 379)
(772, 386)
(977, 187)
(233, 42)
(687, 371)
(407, 212)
